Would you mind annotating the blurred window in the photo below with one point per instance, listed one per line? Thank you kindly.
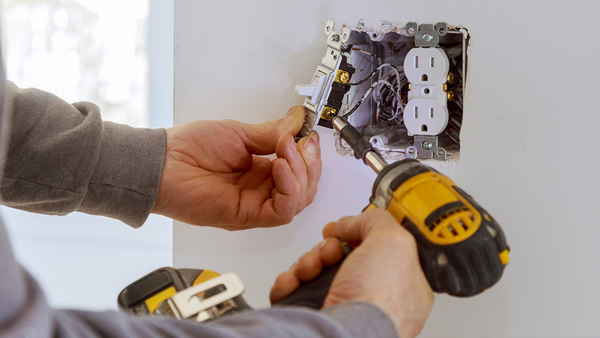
(81, 50)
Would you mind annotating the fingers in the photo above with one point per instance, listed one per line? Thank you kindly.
(355, 229)
(308, 267)
(297, 170)
(262, 138)
(330, 231)
(284, 285)
(286, 193)
(330, 251)
(310, 150)
(304, 160)
(290, 178)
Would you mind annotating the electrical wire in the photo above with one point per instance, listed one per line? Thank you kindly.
(396, 92)
(381, 66)
(399, 106)
(366, 94)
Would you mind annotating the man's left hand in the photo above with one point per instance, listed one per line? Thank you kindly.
(214, 173)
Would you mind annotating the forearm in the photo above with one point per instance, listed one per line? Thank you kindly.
(24, 311)
(63, 158)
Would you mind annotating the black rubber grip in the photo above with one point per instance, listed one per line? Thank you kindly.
(313, 293)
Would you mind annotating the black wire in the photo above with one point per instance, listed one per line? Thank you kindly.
(366, 94)
(360, 101)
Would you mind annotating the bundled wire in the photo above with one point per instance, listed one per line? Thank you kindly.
(381, 66)
(376, 84)
(399, 109)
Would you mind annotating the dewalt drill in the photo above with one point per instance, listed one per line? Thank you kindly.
(462, 249)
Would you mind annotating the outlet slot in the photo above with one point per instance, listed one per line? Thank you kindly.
(424, 128)
(430, 113)
(435, 62)
(416, 112)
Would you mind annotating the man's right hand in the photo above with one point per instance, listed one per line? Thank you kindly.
(383, 269)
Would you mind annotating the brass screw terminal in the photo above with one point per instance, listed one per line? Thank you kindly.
(342, 77)
(328, 113)
(450, 95)
(450, 78)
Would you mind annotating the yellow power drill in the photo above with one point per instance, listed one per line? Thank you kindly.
(462, 249)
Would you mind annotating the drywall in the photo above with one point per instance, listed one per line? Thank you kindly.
(528, 145)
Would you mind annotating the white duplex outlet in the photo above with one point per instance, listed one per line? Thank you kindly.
(426, 112)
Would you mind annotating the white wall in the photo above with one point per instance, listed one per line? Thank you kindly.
(528, 145)
(160, 62)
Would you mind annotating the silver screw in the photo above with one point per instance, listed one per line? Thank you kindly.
(426, 145)
(335, 38)
(411, 30)
(427, 37)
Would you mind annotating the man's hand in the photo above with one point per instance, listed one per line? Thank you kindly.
(214, 174)
(383, 269)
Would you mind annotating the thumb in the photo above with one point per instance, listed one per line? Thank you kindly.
(261, 138)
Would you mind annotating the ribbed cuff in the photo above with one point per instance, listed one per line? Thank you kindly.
(362, 319)
(127, 175)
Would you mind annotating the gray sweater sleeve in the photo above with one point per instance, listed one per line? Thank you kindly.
(25, 313)
(62, 158)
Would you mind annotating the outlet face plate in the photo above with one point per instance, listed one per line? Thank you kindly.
(426, 112)
(444, 66)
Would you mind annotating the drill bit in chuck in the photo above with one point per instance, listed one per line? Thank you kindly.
(363, 149)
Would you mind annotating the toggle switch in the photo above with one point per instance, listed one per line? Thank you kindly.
(313, 90)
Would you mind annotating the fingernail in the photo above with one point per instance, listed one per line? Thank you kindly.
(312, 143)
(315, 136)
(293, 266)
(290, 112)
(318, 247)
(344, 219)
(311, 147)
